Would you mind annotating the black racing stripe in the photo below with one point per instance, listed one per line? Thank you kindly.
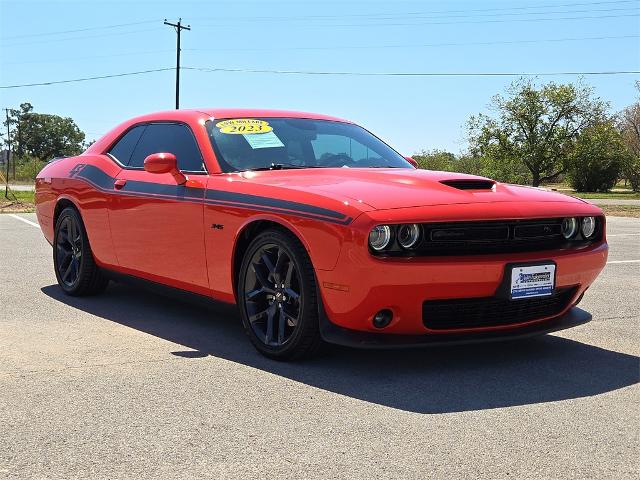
(103, 181)
(345, 221)
(95, 176)
(232, 197)
(178, 191)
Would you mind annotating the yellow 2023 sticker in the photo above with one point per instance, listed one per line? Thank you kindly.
(243, 126)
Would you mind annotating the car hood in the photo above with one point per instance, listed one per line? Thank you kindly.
(391, 188)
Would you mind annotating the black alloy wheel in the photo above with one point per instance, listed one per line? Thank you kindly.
(277, 296)
(74, 265)
(68, 251)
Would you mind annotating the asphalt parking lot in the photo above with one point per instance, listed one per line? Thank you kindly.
(132, 384)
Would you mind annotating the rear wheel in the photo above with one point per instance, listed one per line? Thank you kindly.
(75, 267)
(277, 297)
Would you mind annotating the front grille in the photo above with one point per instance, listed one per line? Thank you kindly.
(491, 237)
(492, 311)
(468, 238)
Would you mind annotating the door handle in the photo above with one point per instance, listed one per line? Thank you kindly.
(119, 183)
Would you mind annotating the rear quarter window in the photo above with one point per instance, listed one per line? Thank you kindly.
(123, 148)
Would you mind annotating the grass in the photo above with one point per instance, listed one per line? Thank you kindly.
(613, 195)
(621, 210)
(23, 203)
(619, 192)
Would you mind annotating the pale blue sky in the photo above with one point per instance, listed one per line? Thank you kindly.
(411, 113)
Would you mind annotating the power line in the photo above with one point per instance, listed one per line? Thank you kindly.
(463, 22)
(532, 20)
(423, 12)
(414, 74)
(83, 37)
(417, 16)
(448, 44)
(67, 59)
(467, 22)
(336, 73)
(342, 47)
(86, 79)
(76, 30)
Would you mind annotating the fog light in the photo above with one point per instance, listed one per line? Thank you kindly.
(382, 318)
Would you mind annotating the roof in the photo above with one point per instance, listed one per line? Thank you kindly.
(199, 114)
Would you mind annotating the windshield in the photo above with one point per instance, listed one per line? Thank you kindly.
(278, 143)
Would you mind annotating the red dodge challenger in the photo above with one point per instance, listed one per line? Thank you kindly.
(317, 230)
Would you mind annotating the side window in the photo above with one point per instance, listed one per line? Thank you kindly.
(123, 148)
(171, 138)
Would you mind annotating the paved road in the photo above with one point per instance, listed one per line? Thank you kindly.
(135, 385)
(21, 188)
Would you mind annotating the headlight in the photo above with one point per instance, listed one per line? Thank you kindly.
(569, 227)
(588, 227)
(408, 235)
(379, 237)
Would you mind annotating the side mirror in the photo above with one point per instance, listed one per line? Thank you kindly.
(164, 163)
(411, 161)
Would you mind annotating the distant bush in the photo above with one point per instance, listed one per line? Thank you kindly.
(597, 159)
(436, 160)
(27, 168)
(501, 170)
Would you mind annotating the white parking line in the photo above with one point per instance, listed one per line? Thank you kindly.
(623, 261)
(33, 224)
(623, 235)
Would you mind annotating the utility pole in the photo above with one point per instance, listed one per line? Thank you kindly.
(179, 27)
(6, 185)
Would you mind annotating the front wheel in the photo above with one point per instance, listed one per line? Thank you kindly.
(277, 297)
(75, 267)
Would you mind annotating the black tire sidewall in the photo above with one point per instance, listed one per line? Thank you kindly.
(308, 308)
(71, 212)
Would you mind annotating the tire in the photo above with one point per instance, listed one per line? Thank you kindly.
(277, 297)
(73, 262)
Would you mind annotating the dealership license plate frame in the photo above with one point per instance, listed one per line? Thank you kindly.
(537, 289)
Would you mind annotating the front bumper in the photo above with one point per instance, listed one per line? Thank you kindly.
(332, 333)
(362, 285)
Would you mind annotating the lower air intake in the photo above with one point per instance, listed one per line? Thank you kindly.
(492, 311)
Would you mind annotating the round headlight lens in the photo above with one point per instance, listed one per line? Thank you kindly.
(569, 227)
(408, 235)
(588, 226)
(379, 237)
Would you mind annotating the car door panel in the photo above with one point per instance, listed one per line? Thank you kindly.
(156, 224)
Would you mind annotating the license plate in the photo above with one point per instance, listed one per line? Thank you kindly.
(533, 281)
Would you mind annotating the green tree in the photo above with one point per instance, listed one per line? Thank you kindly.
(597, 158)
(535, 128)
(629, 125)
(436, 160)
(43, 136)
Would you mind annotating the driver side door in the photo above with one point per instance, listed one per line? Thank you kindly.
(157, 225)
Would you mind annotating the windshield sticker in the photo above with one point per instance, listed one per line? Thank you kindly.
(243, 126)
(263, 140)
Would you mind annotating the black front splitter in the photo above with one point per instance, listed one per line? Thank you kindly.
(332, 333)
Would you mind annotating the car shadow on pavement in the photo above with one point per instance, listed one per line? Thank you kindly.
(436, 380)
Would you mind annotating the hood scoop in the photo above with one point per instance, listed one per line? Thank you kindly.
(469, 184)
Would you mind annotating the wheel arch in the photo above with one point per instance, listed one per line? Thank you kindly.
(62, 203)
(248, 232)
